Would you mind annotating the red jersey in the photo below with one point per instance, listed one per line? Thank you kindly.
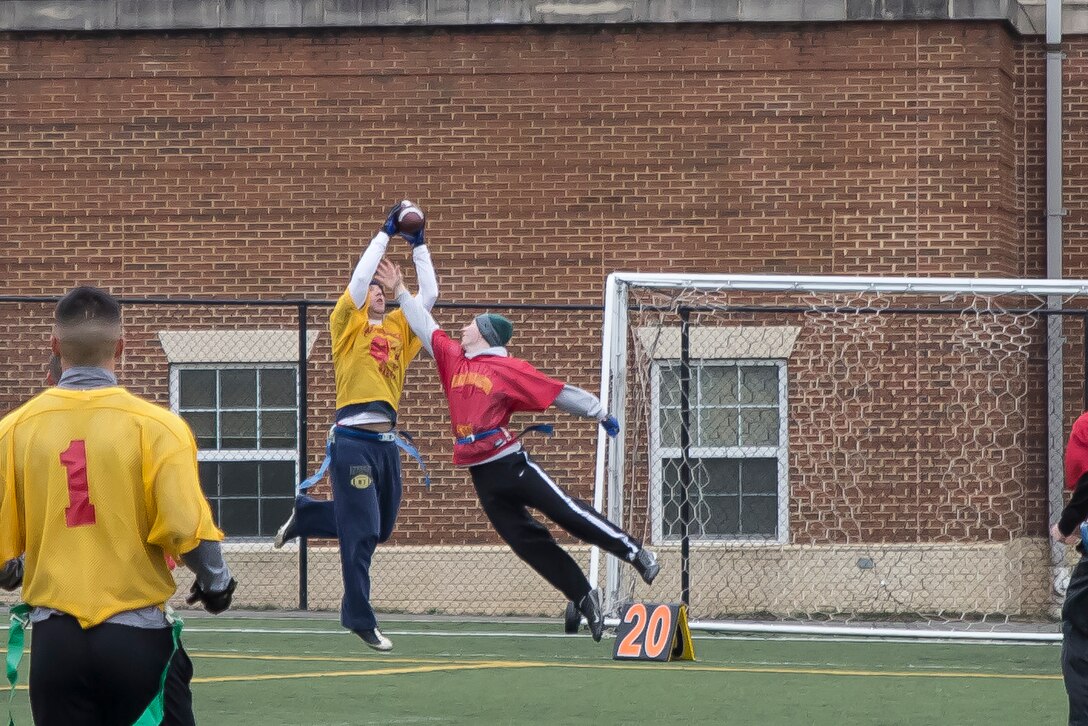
(1076, 453)
(483, 392)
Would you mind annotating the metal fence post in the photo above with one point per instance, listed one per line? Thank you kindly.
(685, 453)
(303, 449)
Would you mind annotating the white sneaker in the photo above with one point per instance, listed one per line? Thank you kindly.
(375, 640)
(281, 534)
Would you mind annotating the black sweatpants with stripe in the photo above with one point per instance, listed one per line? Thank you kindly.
(508, 487)
(103, 676)
(1075, 644)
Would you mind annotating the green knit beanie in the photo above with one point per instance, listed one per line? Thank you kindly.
(496, 329)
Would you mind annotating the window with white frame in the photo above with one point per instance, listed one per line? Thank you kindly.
(738, 436)
(245, 419)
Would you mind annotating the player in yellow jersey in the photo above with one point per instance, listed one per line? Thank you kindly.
(371, 351)
(97, 486)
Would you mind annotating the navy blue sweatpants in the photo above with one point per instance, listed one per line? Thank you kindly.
(366, 490)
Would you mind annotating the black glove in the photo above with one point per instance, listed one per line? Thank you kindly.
(213, 602)
(11, 575)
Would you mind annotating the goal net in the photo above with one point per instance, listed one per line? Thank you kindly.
(842, 451)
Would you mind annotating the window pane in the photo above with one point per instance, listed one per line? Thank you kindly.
(669, 514)
(720, 476)
(209, 477)
(238, 478)
(759, 426)
(672, 492)
(278, 479)
(274, 512)
(670, 428)
(726, 497)
(214, 506)
(238, 388)
(719, 385)
(719, 427)
(196, 388)
(760, 516)
(278, 388)
(278, 429)
(670, 385)
(724, 515)
(238, 517)
(239, 429)
(203, 426)
(759, 384)
(759, 476)
(671, 522)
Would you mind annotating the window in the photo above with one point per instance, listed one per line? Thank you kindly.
(245, 420)
(737, 430)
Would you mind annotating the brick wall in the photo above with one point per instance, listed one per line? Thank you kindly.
(258, 164)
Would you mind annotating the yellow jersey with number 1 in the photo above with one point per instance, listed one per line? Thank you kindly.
(98, 485)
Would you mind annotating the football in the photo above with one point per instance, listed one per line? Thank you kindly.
(410, 218)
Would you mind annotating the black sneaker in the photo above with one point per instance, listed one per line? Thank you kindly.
(646, 564)
(375, 639)
(590, 607)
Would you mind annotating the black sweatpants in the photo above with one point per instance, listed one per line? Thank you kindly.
(177, 696)
(507, 487)
(1075, 644)
(103, 676)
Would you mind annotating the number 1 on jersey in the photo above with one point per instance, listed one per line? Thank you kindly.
(80, 511)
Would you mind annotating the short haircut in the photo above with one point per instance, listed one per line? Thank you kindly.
(88, 326)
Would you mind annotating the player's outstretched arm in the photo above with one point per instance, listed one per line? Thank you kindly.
(419, 319)
(421, 255)
(368, 262)
(428, 282)
(580, 402)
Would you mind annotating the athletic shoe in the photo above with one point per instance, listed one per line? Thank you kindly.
(285, 532)
(590, 607)
(375, 640)
(646, 564)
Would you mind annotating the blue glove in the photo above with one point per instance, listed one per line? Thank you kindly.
(610, 425)
(415, 238)
(390, 226)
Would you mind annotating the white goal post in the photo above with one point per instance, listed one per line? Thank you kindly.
(842, 455)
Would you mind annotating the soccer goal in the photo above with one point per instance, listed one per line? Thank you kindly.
(825, 454)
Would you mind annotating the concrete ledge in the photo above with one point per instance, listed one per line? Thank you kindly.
(1026, 17)
(843, 582)
(839, 582)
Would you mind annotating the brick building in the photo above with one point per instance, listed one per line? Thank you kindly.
(244, 154)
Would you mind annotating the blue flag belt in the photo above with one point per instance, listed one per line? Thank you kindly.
(402, 439)
(546, 429)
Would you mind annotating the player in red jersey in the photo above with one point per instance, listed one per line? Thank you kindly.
(484, 386)
(1070, 529)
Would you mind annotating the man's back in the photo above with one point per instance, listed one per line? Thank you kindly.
(98, 485)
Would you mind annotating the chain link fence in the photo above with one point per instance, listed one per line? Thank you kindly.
(842, 457)
(254, 381)
(847, 456)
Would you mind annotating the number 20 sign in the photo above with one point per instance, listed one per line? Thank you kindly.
(654, 631)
